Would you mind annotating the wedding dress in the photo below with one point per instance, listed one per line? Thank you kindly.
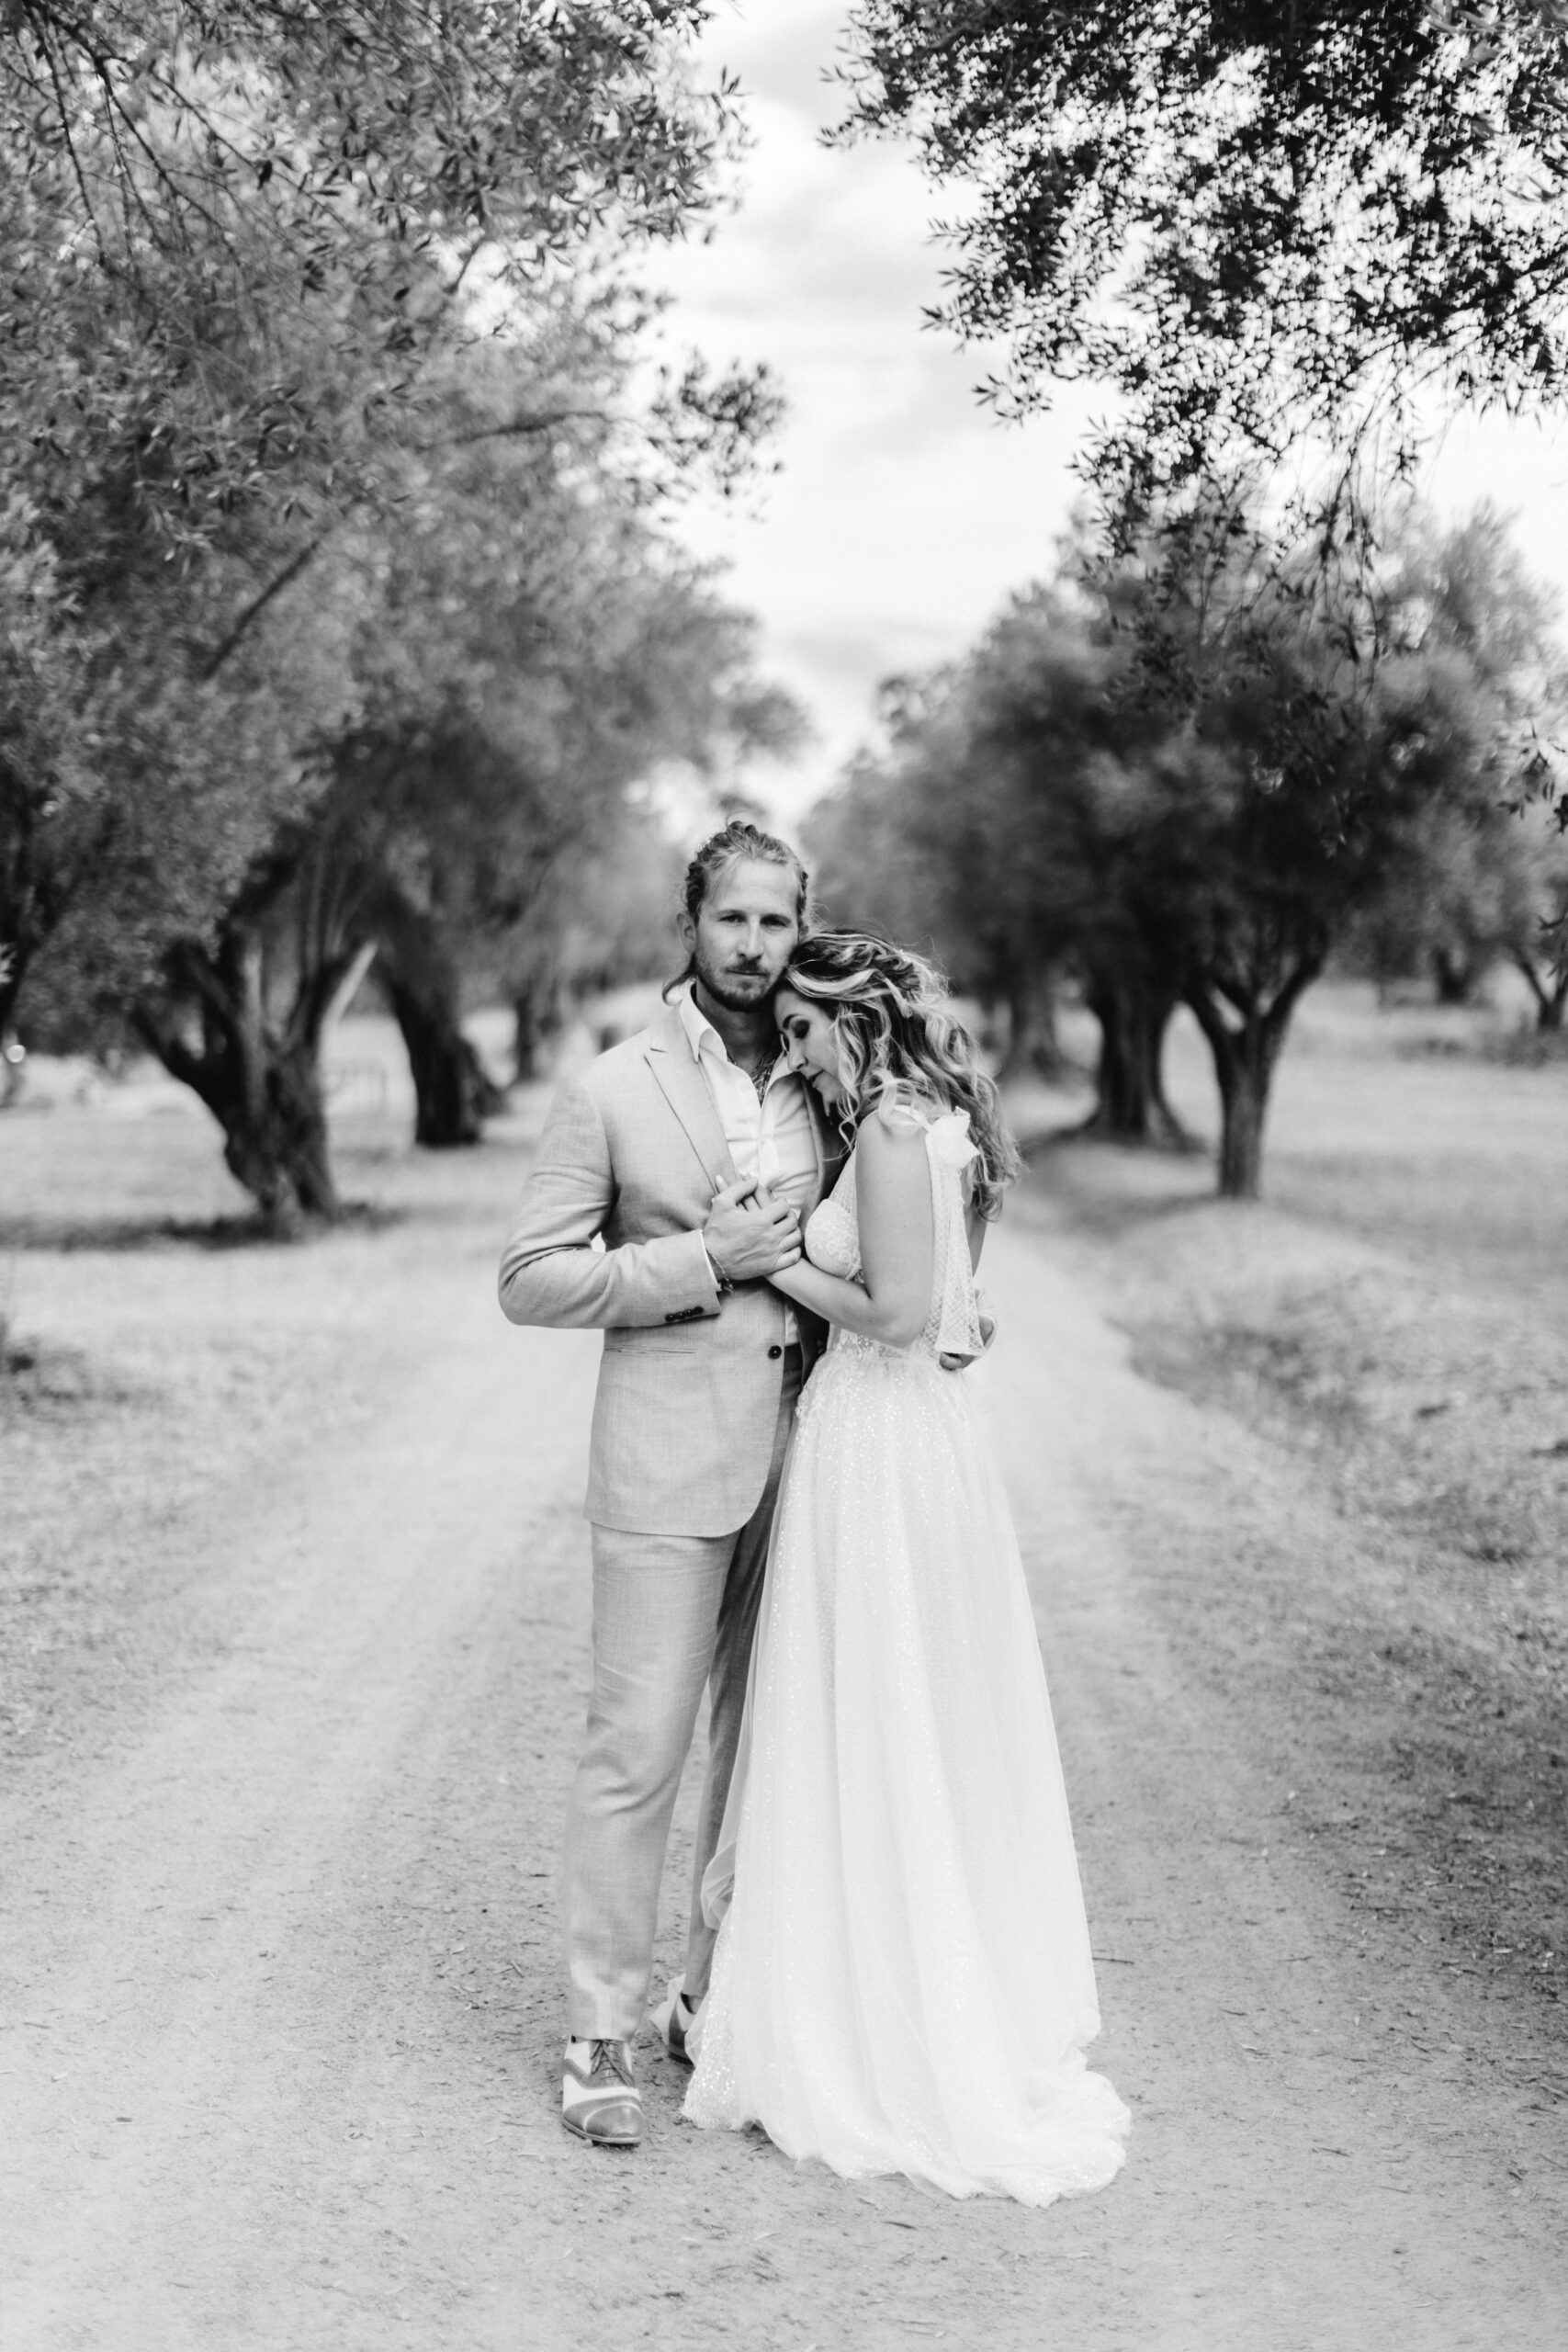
(903, 1980)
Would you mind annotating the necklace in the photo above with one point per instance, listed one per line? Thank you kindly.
(760, 1077)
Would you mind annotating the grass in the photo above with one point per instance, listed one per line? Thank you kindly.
(1404, 1128)
(1392, 1324)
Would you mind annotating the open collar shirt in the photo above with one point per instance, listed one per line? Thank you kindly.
(770, 1137)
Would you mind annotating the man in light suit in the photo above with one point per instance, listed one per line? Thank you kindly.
(669, 1185)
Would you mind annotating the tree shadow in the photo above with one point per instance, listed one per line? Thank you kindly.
(1107, 1189)
(248, 1231)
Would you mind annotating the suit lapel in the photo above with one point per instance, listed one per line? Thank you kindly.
(670, 1059)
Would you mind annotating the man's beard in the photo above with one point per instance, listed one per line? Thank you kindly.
(735, 991)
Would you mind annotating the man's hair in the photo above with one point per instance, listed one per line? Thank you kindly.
(736, 843)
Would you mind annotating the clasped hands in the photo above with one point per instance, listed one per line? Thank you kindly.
(748, 1235)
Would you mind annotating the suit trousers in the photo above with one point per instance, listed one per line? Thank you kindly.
(672, 1614)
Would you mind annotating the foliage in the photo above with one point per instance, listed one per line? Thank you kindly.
(524, 649)
(249, 224)
(132, 795)
(1184, 774)
(251, 254)
(991, 830)
(1473, 885)
(1253, 221)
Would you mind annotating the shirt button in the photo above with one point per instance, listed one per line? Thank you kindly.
(775, 1351)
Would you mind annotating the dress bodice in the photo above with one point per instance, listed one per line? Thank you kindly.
(833, 1241)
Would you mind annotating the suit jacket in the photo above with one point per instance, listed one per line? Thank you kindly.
(688, 1396)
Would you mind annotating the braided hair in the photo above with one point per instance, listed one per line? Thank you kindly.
(901, 1043)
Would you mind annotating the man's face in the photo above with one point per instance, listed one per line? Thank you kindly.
(744, 934)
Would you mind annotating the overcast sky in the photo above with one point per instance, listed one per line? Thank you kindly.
(903, 515)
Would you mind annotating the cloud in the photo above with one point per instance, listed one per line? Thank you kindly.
(903, 513)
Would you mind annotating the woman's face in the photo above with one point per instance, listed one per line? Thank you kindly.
(810, 1038)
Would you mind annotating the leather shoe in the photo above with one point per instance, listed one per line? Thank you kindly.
(672, 2021)
(599, 2098)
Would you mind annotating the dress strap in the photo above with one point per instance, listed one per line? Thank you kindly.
(953, 1330)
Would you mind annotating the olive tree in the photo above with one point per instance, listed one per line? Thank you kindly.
(251, 254)
(1255, 222)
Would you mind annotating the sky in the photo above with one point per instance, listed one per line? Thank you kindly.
(902, 514)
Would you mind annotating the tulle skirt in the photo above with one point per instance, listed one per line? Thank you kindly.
(903, 1980)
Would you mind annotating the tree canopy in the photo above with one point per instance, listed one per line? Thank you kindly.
(335, 587)
(242, 247)
(241, 227)
(1252, 220)
(1178, 775)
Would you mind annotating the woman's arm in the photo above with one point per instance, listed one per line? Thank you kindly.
(893, 1199)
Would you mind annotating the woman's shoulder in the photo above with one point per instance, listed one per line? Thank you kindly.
(910, 1117)
(892, 1135)
(910, 1130)
(908, 1110)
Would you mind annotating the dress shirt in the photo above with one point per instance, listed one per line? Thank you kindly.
(770, 1138)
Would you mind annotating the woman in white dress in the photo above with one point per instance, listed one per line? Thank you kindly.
(903, 1980)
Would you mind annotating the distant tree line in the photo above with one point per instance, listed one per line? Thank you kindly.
(340, 609)
(1252, 721)
(1185, 775)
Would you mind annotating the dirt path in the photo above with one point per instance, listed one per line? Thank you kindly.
(278, 1991)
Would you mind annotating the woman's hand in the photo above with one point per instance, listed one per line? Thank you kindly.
(892, 1297)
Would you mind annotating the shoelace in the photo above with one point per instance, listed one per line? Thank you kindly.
(608, 2054)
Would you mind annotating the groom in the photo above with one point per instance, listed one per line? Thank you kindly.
(693, 1157)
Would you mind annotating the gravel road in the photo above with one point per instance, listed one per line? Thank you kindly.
(278, 1981)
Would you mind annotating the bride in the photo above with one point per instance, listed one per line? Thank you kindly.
(903, 1980)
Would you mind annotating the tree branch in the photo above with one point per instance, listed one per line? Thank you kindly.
(1526, 964)
(189, 1068)
(517, 428)
(257, 606)
(1293, 989)
(1221, 1039)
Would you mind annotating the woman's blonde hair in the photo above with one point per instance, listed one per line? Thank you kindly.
(902, 1045)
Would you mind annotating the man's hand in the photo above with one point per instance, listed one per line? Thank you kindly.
(750, 1236)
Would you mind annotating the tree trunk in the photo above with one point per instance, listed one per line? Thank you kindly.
(1246, 1055)
(1034, 1048)
(13, 971)
(1454, 975)
(1131, 1105)
(263, 1088)
(536, 1019)
(1551, 994)
(454, 1094)
(275, 1140)
(1244, 1099)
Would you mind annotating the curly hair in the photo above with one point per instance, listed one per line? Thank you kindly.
(902, 1044)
